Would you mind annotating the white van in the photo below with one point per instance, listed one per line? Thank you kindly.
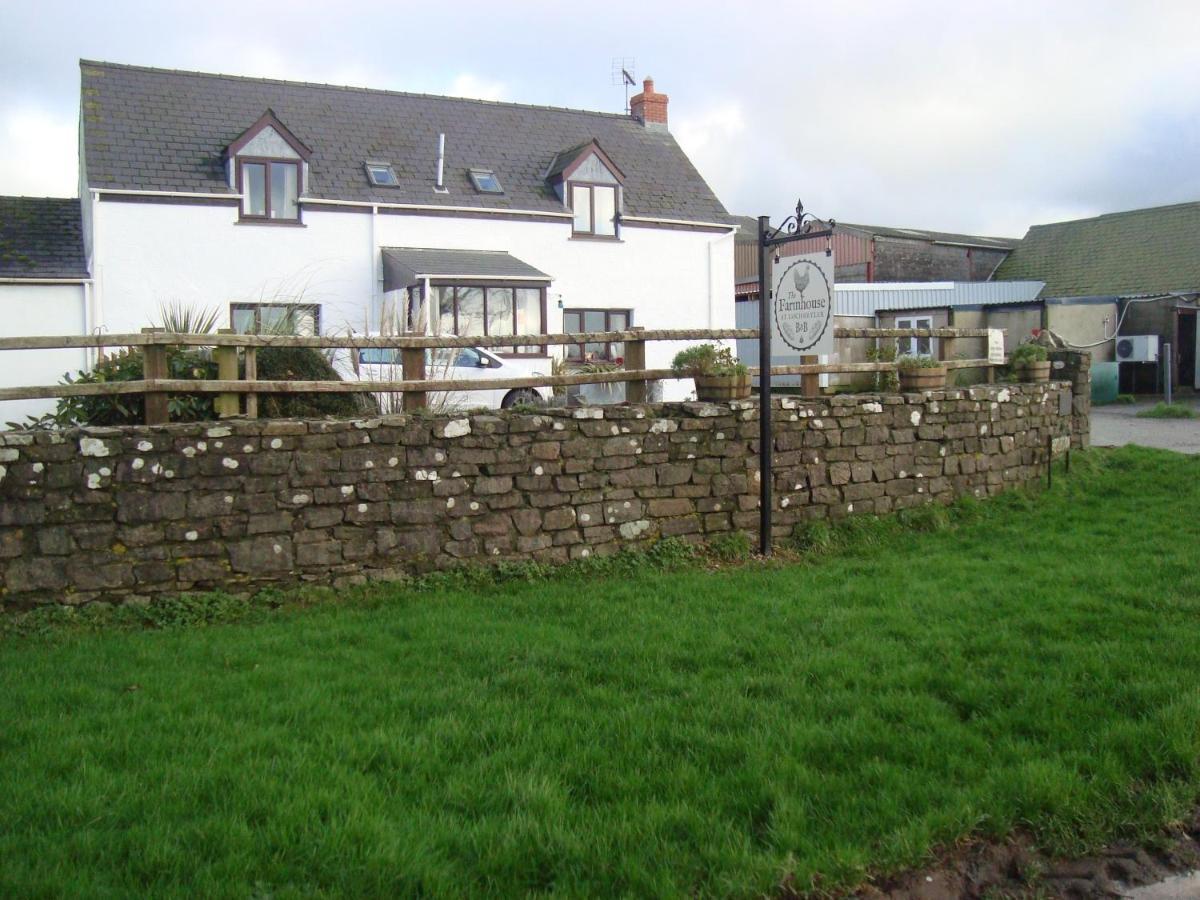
(458, 364)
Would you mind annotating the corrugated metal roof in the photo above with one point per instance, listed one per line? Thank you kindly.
(867, 299)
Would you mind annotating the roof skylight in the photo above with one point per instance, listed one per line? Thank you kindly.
(381, 174)
(485, 181)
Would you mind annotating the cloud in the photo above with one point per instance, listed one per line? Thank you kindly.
(37, 153)
(713, 139)
(468, 85)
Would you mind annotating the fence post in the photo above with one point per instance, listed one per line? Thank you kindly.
(810, 385)
(412, 360)
(635, 358)
(226, 405)
(154, 366)
(252, 375)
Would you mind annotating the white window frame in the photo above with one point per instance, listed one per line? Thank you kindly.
(910, 346)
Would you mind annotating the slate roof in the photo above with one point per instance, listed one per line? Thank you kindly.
(937, 237)
(1142, 251)
(403, 266)
(41, 237)
(747, 232)
(160, 129)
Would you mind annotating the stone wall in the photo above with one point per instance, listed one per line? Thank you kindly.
(107, 514)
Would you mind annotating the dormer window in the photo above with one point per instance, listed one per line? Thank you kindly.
(382, 174)
(270, 189)
(485, 181)
(589, 184)
(594, 207)
(268, 166)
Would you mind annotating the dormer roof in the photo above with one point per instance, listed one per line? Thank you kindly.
(265, 121)
(565, 162)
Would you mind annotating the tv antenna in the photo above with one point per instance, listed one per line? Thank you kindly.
(624, 72)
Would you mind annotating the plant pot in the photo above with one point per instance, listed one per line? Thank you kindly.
(1033, 371)
(933, 379)
(715, 388)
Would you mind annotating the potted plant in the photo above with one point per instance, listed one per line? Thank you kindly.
(920, 373)
(718, 376)
(1030, 362)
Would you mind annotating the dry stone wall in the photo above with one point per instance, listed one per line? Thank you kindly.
(106, 514)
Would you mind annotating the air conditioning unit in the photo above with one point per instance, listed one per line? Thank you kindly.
(1137, 348)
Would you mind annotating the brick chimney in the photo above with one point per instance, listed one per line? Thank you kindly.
(649, 108)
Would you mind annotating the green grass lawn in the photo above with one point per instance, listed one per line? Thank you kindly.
(1163, 410)
(1031, 664)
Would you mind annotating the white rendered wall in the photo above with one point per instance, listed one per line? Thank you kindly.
(157, 253)
(38, 309)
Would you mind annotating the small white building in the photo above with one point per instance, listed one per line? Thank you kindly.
(44, 289)
(371, 210)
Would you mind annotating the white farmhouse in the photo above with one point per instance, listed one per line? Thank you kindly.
(355, 209)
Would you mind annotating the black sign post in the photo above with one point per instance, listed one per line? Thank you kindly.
(800, 226)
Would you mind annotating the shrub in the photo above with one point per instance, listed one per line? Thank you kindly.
(1028, 353)
(884, 381)
(306, 364)
(910, 363)
(129, 409)
(707, 359)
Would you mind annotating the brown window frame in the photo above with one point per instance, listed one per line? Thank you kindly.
(266, 162)
(591, 233)
(609, 355)
(456, 283)
(257, 308)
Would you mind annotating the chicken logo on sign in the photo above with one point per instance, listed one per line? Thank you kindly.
(804, 304)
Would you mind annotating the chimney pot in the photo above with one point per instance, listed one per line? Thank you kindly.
(649, 107)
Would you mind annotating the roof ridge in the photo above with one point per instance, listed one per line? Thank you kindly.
(987, 237)
(346, 87)
(1119, 213)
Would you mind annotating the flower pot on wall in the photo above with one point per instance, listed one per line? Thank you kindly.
(1033, 371)
(925, 379)
(715, 388)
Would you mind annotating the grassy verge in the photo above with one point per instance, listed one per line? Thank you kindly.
(1162, 410)
(653, 728)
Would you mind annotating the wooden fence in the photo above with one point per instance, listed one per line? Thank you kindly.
(234, 379)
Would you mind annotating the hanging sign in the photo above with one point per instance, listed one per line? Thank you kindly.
(995, 346)
(802, 304)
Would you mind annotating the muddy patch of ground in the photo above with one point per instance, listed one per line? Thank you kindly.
(1016, 870)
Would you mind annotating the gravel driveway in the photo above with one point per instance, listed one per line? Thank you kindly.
(1117, 424)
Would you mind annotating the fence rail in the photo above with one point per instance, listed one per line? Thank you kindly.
(415, 384)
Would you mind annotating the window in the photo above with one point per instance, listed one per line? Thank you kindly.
(381, 174)
(275, 318)
(594, 207)
(915, 346)
(463, 357)
(492, 310)
(485, 181)
(270, 189)
(576, 321)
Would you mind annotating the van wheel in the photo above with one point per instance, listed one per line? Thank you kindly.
(522, 395)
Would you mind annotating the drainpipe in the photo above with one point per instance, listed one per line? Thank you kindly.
(97, 324)
(376, 266)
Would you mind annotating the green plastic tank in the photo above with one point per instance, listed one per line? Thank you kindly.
(1104, 382)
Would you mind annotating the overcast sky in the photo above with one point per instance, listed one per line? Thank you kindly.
(968, 116)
